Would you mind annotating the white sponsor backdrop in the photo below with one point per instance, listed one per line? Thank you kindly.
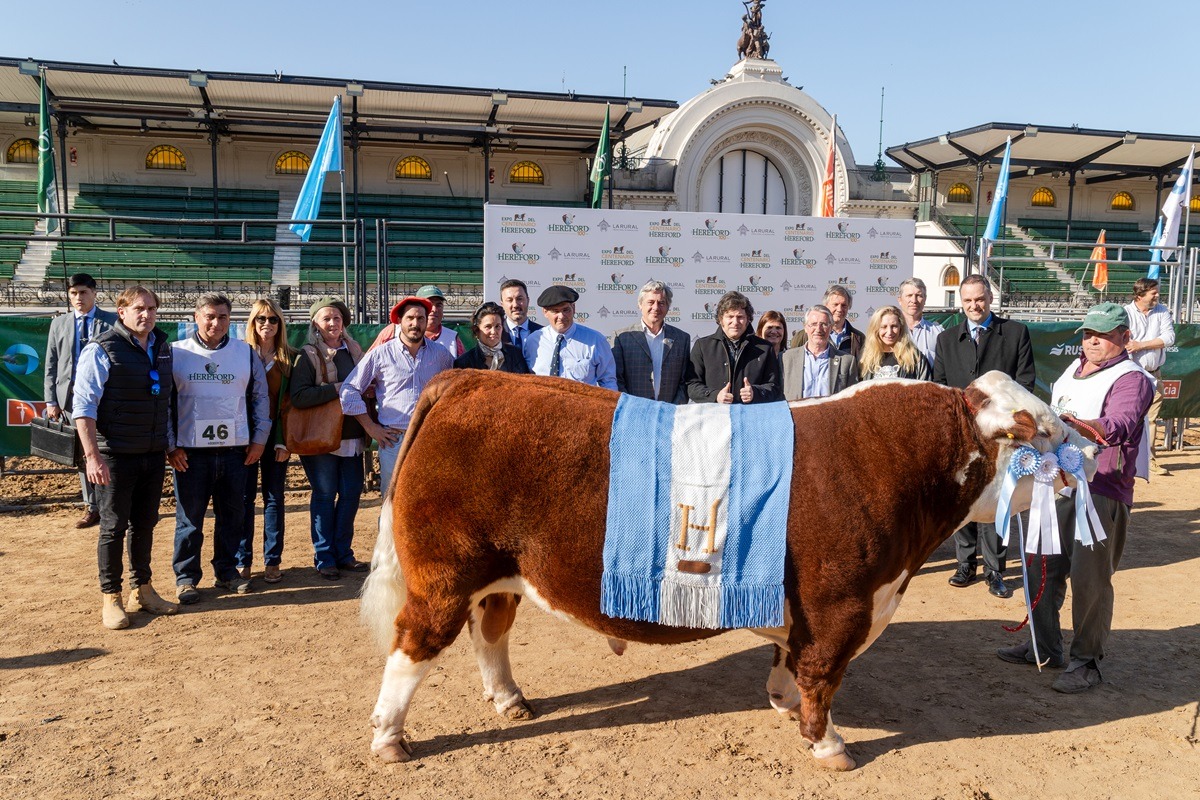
(780, 263)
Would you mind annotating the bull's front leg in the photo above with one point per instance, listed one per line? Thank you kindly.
(491, 621)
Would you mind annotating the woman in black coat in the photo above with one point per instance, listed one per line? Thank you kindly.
(487, 323)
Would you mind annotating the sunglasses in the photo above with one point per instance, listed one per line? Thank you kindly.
(267, 320)
(155, 387)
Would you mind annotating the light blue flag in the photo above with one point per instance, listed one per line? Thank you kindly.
(1173, 212)
(328, 158)
(1156, 254)
(995, 218)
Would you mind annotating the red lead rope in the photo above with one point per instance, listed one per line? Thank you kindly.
(1036, 600)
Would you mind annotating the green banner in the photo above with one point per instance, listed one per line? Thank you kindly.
(1055, 345)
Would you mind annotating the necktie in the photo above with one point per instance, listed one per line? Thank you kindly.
(516, 337)
(81, 335)
(556, 359)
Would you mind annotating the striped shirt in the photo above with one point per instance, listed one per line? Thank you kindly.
(398, 378)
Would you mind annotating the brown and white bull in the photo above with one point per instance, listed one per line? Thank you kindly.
(925, 459)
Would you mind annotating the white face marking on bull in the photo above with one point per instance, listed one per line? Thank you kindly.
(883, 606)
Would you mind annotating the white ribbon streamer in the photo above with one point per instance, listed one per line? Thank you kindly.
(1043, 519)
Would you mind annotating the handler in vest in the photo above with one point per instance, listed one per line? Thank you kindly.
(222, 424)
(121, 409)
(1105, 396)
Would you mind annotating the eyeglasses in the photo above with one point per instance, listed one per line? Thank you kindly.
(267, 320)
(155, 387)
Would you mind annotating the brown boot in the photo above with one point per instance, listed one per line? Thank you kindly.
(149, 601)
(112, 613)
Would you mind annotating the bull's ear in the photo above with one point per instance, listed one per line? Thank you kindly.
(976, 400)
(1023, 427)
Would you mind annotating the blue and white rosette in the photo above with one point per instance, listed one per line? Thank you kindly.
(1043, 521)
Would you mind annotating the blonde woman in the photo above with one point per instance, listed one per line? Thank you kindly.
(266, 334)
(888, 352)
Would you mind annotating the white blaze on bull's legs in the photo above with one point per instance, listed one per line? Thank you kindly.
(883, 606)
(496, 670)
(832, 746)
(401, 677)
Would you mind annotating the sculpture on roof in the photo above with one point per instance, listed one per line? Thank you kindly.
(754, 42)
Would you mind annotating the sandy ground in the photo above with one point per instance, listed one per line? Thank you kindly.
(268, 695)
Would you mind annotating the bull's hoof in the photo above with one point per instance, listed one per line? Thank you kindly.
(393, 752)
(838, 762)
(519, 712)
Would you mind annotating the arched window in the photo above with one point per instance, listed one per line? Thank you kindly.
(23, 151)
(950, 276)
(164, 156)
(959, 193)
(1042, 198)
(293, 162)
(414, 168)
(1195, 204)
(1122, 201)
(526, 172)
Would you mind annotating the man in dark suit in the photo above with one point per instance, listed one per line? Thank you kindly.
(652, 357)
(514, 297)
(68, 335)
(733, 365)
(842, 335)
(981, 343)
(817, 369)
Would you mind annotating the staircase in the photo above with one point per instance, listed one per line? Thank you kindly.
(1078, 292)
(285, 269)
(35, 261)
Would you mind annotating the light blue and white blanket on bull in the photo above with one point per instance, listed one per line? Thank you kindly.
(697, 514)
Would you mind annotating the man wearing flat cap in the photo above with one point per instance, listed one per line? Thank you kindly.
(566, 349)
(1105, 396)
(69, 333)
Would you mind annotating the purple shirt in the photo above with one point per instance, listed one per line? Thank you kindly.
(1122, 419)
(398, 378)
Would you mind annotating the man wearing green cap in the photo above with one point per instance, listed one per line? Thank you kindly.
(1105, 396)
(434, 331)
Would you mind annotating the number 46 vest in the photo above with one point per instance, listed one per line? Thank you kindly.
(212, 388)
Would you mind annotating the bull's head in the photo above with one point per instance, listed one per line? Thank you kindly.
(1011, 418)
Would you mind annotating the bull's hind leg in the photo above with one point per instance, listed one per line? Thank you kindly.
(491, 620)
(423, 631)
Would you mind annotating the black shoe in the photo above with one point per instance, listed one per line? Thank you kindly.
(997, 586)
(963, 576)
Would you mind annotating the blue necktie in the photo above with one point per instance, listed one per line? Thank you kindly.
(81, 335)
(516, 337)
(556, 359)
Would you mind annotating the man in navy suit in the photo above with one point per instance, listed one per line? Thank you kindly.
(514, 297)
(652, 357)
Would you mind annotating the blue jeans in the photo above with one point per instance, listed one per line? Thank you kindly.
(273, 474)
(387, 465)
(337, 484)
(216, 475)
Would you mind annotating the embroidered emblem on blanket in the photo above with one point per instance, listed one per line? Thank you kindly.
(697, 513)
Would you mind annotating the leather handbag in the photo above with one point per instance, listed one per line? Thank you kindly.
(317, 430)
(56, 440)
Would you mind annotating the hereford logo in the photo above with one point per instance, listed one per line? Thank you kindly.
(882, 286)
(707, 313)
(573, 280)
(210, 375)
(710, 284)
(518, 223)
(756, 286)
(884, 260)
(665, 228)
(568, 226)
(799, 233)
(711, 229)
(618, 256)
(518, 254)
(795, 314)
(673, 315)
(843, 232)
(798, 259)
(755, 259)
(664, 257)
(618, 285)
(845, 281)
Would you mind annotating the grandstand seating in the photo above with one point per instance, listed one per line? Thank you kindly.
(1023, 277)
(15, 196)
(443, 254)
(161, 263)
(1085, 232)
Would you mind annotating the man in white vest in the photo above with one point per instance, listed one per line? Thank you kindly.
(222, 422)
(1105, 396)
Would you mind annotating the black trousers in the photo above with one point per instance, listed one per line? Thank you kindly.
(979, 538)
(130, 502)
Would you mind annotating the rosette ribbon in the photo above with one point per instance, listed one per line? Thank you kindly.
(1043, 521)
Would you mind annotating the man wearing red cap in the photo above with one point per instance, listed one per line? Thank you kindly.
(434, 331)
(398, 369)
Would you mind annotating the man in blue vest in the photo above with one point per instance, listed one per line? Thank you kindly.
(121, 407)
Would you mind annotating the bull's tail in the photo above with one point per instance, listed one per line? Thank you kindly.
(383, 591)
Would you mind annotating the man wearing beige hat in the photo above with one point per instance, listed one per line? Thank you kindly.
(1105, 396)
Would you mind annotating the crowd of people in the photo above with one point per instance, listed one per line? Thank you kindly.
(227, 414)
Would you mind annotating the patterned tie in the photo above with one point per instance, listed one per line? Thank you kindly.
(556, 359)
(81, 335)
(516, 337)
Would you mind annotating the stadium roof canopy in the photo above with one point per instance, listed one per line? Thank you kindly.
(115, 99)
(1100, 155)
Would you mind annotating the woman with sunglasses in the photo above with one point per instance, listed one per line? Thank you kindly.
(487, 324)
(266, 334)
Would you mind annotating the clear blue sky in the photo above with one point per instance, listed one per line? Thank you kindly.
(946, 66)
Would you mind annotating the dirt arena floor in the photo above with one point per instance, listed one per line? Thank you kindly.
(268, 695)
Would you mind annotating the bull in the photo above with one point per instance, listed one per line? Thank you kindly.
(455, 553)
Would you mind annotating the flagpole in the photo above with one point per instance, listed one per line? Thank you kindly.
(345, 269)
(1187, 216)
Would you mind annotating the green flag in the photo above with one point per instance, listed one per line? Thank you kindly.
(47, 192)
(600, 166)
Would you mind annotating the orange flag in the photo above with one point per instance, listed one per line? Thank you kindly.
(1100, 256)
(827, 183)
